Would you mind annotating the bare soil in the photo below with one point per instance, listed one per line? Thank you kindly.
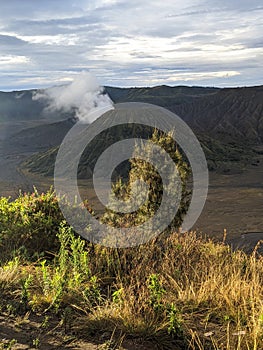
(27, 332)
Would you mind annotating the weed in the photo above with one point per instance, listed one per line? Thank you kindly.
(174, 320)
(8, 345)
(36, 343)
(25, 284)
(156, 292)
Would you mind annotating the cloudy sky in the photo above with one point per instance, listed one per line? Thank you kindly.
(131, 43)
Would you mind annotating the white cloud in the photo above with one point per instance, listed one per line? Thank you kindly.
(9, 60)
(60, 39)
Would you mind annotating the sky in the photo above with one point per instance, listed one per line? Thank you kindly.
(131, 43)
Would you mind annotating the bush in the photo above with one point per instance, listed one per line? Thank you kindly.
(143, 170)
(29, 224)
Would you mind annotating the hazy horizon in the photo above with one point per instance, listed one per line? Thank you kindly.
(143, 86)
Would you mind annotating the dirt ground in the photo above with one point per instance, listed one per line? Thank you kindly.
(234, 203)
(28, 333)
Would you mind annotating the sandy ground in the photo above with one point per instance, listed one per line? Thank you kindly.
(235, 203)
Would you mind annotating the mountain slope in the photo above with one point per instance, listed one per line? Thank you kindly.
(220, 155)
(232, 113)
(19, 105)
(43, 136)
(228, 122)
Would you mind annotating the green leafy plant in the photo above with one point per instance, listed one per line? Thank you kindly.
(156, 293)
(29, 224)
(68, 272)
(36, 343)
(174, 320)
(117, 296)
(25, 285)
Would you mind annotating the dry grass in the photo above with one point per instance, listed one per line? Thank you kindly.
(178, 292)
(219, 293)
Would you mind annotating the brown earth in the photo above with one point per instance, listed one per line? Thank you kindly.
(28, 332)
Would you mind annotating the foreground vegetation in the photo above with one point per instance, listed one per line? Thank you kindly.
(176, 292)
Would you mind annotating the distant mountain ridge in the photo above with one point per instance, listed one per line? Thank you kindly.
(226, 114)
(229, 113)
(228, 122)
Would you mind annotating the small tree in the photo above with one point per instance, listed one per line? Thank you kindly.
(143, 170)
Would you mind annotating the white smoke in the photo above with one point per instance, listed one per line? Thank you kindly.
(83, 94)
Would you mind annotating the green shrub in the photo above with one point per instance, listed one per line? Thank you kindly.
(68, 276)
(143, 170)
(29, 224)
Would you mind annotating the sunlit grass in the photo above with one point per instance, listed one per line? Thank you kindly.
(177, 291)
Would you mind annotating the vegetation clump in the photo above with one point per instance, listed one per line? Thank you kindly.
(177, 291)
(29, 224)
(171, 183)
